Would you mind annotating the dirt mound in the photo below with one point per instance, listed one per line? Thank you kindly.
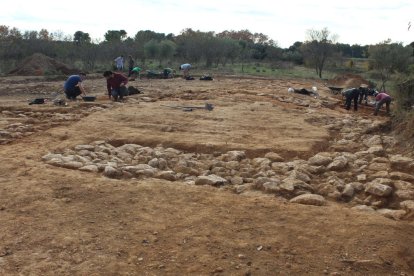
(39, 65)
(348, 81)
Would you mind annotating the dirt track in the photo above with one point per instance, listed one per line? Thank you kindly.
(64, 221)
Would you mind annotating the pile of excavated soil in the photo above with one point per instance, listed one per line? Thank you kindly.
(348, 81)
(39, 65)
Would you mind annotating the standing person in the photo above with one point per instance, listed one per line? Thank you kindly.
(380, 99)
(73, 86)
(119, 62)
(186, 69)
(115, 83)
(131, 63)
(351, 94)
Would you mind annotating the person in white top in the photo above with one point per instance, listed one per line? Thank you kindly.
(186, 69)
(119, 62)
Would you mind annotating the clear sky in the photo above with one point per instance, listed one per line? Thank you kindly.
(353, 21)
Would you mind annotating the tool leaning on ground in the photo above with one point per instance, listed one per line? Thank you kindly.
(207, 106)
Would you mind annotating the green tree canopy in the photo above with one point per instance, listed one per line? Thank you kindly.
(388, 58)
(80, 38)
(115, 36)
(318, 49)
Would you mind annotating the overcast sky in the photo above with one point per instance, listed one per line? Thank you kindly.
(353, 21)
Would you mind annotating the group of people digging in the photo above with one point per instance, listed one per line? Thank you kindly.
(134, 71)
(357, 95)
(115, 81)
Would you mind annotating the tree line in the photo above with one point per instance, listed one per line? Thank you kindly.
(207, 49)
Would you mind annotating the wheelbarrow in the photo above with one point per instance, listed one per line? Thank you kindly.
(335, 90)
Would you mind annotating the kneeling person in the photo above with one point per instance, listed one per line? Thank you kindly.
(115, 83)
(73, 86)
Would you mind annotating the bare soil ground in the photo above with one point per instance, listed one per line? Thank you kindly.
(60, 221)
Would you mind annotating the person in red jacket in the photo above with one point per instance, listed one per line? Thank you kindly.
(115, 84)
(380, 99)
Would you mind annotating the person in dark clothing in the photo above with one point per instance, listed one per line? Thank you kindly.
(131, 63)
(351, 94)
(115, 83)
(304, 91)
(73, 86)
(364, 92)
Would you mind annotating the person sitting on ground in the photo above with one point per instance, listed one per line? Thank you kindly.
(115, 83)
(135, 73)
(351, 94)
(186, 69)
(73, 86)
(380, 99)
(304, 91)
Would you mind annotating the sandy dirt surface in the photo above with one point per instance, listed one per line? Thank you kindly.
(57, 220)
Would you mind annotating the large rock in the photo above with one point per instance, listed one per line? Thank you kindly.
(309, 199)
(378, 167)
(319, 160)
(402, 176)
(89, 168)
(167, 175)
(392, 214)
(404, 194)
(401, 162)
(378, 189)
(271, 187)
(338, 164)
(85, 147)
(232, 165)
(211, 179)
(373, 141)
(348, 191)
(408, 206)
(74, 165)
(274, 157)
(260, 162)
(235, 155)
(236, 180)
(295, 174)
(363, 208)
(112, 172)
(362, 177)
(377, 150)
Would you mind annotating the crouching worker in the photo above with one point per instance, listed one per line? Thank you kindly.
(73, 86)
(168, 73)
(115, 84)
(351, 94)
(135, 73)
(304, 91)
(186, 69)
(380, 99)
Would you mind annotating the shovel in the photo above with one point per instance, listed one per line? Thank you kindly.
(207, 106)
